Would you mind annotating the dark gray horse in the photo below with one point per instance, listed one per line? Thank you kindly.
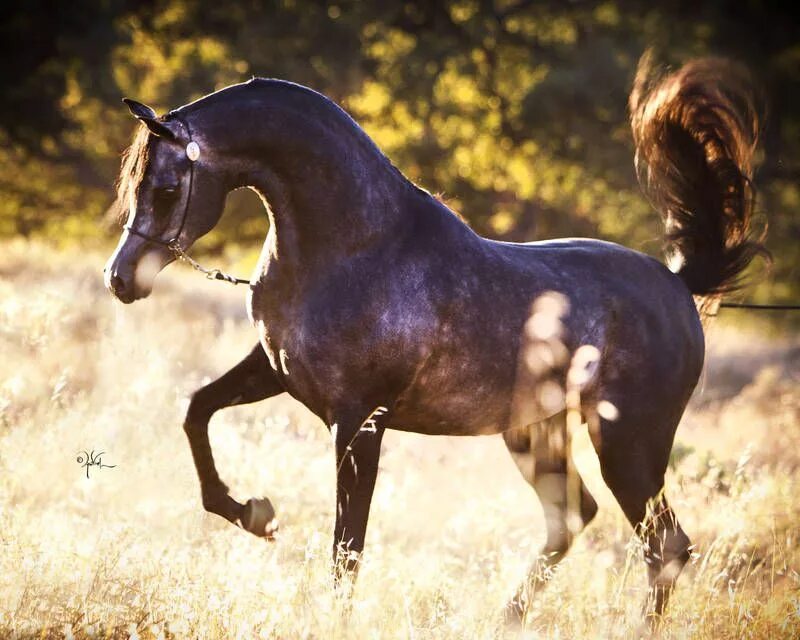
(377, 307)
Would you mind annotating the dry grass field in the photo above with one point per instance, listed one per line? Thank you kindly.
(129, 551)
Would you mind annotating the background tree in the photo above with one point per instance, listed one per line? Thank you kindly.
(514, 110)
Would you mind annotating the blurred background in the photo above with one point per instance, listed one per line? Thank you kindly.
(514, 111)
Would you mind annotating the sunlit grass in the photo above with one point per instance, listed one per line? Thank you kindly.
(130, 553)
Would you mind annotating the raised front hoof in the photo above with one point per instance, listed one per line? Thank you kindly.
(258, 517)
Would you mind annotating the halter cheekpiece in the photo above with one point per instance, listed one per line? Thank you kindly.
(193, 154)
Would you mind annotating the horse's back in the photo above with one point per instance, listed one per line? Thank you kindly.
(596, 273)
(612, 287)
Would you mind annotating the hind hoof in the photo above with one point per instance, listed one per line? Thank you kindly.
(259, 518)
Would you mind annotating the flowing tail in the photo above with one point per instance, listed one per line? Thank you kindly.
(695, 132)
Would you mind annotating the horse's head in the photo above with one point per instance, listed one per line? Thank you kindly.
(171, 194)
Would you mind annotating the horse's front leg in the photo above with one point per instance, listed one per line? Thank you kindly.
(249, 381)
(358, 448)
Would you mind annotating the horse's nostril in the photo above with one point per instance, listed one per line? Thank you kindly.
(117, 284)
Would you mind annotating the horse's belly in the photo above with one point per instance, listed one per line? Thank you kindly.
(476, 396)
(448, 416)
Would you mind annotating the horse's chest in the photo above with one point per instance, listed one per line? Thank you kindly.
(283, 337)
(329, 353)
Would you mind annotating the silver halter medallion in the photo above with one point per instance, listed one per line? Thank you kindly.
(192, 151)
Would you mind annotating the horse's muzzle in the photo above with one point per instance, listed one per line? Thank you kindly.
(132, 268)
(123, 280)
(124, 289)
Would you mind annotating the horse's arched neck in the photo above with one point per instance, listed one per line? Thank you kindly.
(329, 190)
(317, 218)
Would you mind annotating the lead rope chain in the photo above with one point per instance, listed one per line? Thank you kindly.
(211, 274)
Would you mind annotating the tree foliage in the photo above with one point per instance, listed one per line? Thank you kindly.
(513, 110)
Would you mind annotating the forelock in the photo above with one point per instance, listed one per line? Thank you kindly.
(134, 163)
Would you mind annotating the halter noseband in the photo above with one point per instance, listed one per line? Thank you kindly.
(193, 153)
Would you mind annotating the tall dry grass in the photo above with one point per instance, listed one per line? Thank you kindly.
(130, 553)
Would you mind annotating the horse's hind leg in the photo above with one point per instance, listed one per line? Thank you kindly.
(249, 381)
(541, 453)
(633, 460)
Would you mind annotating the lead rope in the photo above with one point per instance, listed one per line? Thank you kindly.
(767, 307)
(218, 274)
(211, 274)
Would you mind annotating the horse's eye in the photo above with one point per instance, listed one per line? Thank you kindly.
(165, 196)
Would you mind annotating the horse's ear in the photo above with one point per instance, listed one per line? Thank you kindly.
(149, 118)
(140, 110)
